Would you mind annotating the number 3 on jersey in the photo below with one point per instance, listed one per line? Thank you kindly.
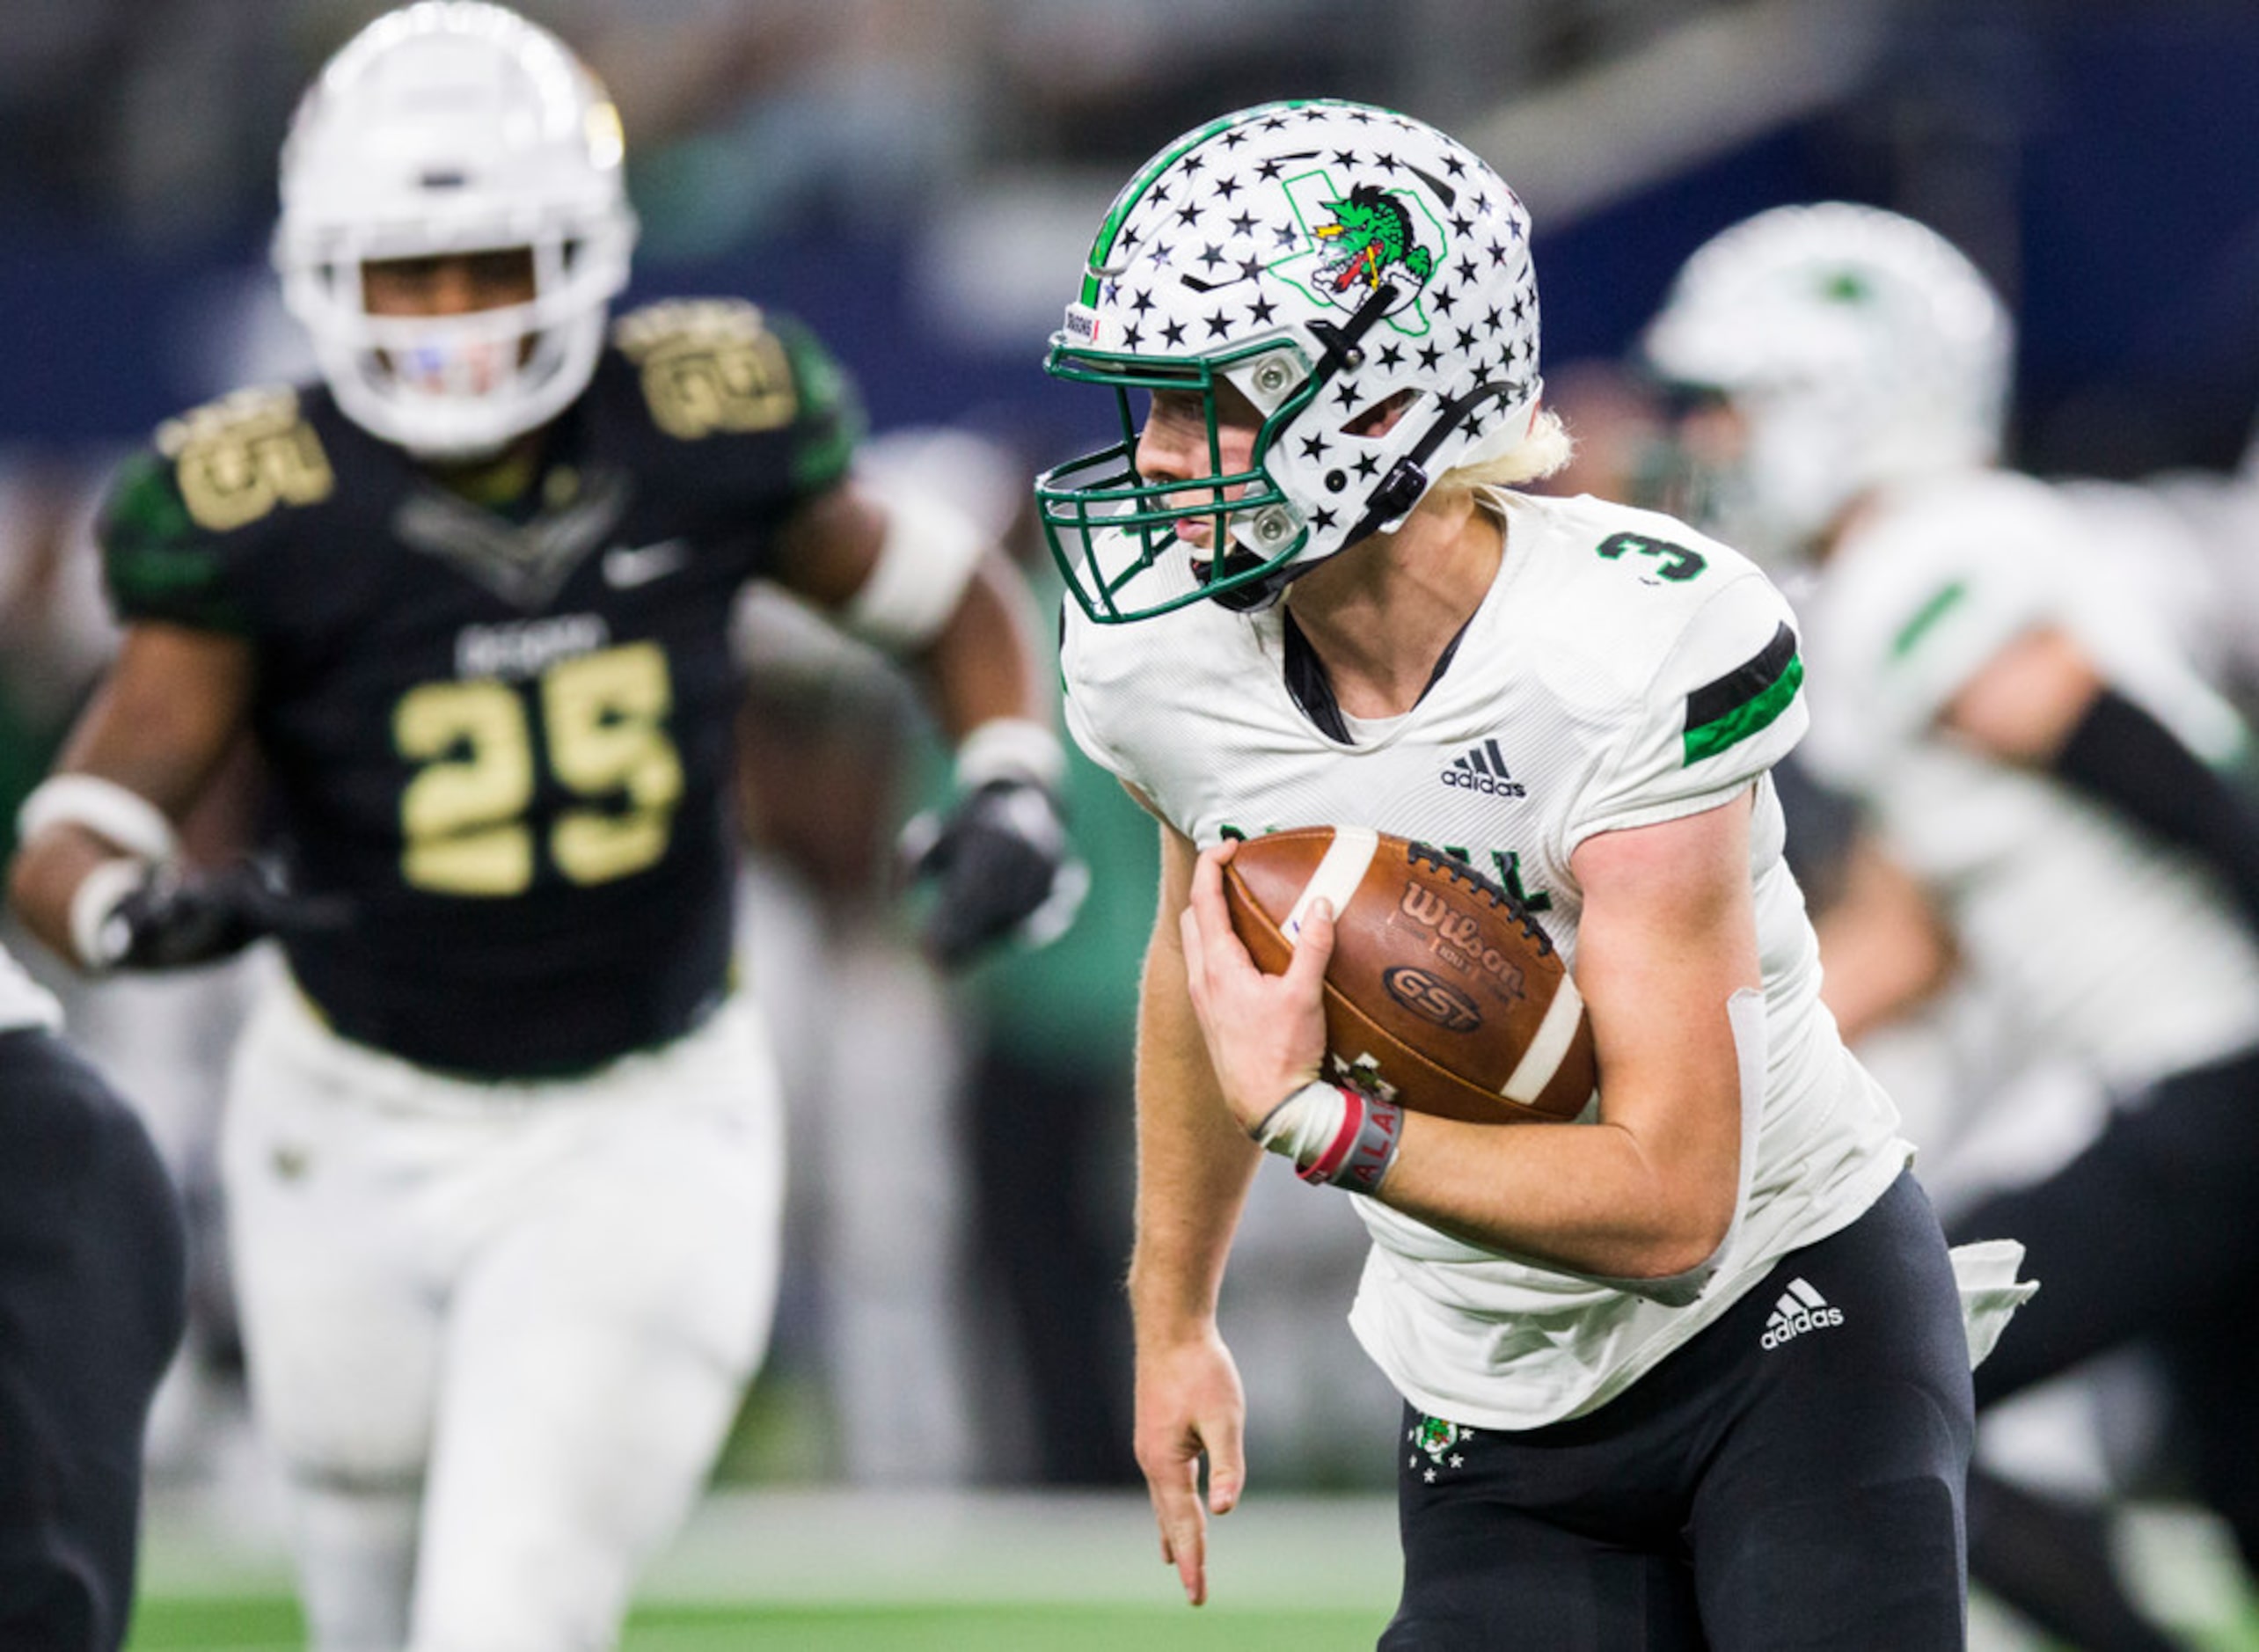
(604, 724)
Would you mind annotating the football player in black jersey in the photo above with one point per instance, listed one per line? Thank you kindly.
(503, 1149)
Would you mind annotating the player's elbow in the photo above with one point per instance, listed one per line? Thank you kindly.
(1683, 1233)
(1667, 1256)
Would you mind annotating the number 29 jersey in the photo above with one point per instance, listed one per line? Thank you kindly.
(503, 736)
(1621, 671)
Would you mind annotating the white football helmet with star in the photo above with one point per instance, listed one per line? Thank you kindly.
(1859, 349)
(1330, 260)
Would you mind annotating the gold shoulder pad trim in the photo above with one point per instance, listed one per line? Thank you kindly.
(709, 365)
(240, 457)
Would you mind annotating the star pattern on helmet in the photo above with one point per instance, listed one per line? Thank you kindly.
(1219, 255)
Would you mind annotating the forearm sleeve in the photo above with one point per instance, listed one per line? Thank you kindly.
(2121, 755)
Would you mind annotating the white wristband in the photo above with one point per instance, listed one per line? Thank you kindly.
(93, 905)
(111, 812)
(1009, 749)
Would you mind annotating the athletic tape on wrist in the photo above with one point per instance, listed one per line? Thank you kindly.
(1009, 749)
(94, 902)
(1336, 1136)
(111, 812)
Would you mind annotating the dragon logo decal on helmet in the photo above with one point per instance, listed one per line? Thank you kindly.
(1859, 347)
(450, 127)
(1330, 261)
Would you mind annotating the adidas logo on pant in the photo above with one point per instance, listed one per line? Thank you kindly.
(1801, 1309)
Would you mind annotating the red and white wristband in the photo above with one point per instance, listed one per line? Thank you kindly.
(1336, 1136)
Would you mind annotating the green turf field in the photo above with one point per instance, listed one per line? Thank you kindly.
(837, 1570)
(271, 1625)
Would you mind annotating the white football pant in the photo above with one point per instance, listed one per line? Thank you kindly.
(496, 1333)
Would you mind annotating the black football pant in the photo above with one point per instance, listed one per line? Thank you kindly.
(91, 1301)
(2152, 1233)
(1790, 1479)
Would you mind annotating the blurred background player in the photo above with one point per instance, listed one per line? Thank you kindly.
(503, 1152)
(92, 1299)
(1304, 583)
(2047, 823)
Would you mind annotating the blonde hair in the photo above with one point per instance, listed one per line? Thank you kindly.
(1547, 447)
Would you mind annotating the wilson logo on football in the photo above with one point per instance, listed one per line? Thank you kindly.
(1458, 938)
(1431, 999)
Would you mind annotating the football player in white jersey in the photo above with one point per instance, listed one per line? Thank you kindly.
(1692, 1371)
(2047, 775)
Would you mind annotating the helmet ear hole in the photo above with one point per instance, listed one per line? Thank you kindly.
(1377, 418)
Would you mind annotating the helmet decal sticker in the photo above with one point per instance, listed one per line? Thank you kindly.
(1372, 234)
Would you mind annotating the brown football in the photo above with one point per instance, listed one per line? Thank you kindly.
(1442, 993)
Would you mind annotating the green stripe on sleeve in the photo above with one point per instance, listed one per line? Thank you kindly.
(1707, 740)
(1924, 617)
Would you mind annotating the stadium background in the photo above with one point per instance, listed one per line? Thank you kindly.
(916, 179)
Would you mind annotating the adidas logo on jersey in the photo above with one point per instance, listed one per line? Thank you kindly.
(1801, 1309)
(1483, 769)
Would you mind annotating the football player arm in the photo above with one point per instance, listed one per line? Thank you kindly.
(1668, 936)
(2042, 702)
(1884, 946)
(141, 754)
(1194, 1165)
(914, 577)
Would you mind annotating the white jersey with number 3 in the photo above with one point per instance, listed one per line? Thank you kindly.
(1622, 670)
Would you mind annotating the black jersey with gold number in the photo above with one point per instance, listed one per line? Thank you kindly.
(504, 735)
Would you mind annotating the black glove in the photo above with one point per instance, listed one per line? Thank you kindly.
(174, 919)
(999, 858)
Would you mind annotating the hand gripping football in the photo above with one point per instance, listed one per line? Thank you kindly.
(1442, 994)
